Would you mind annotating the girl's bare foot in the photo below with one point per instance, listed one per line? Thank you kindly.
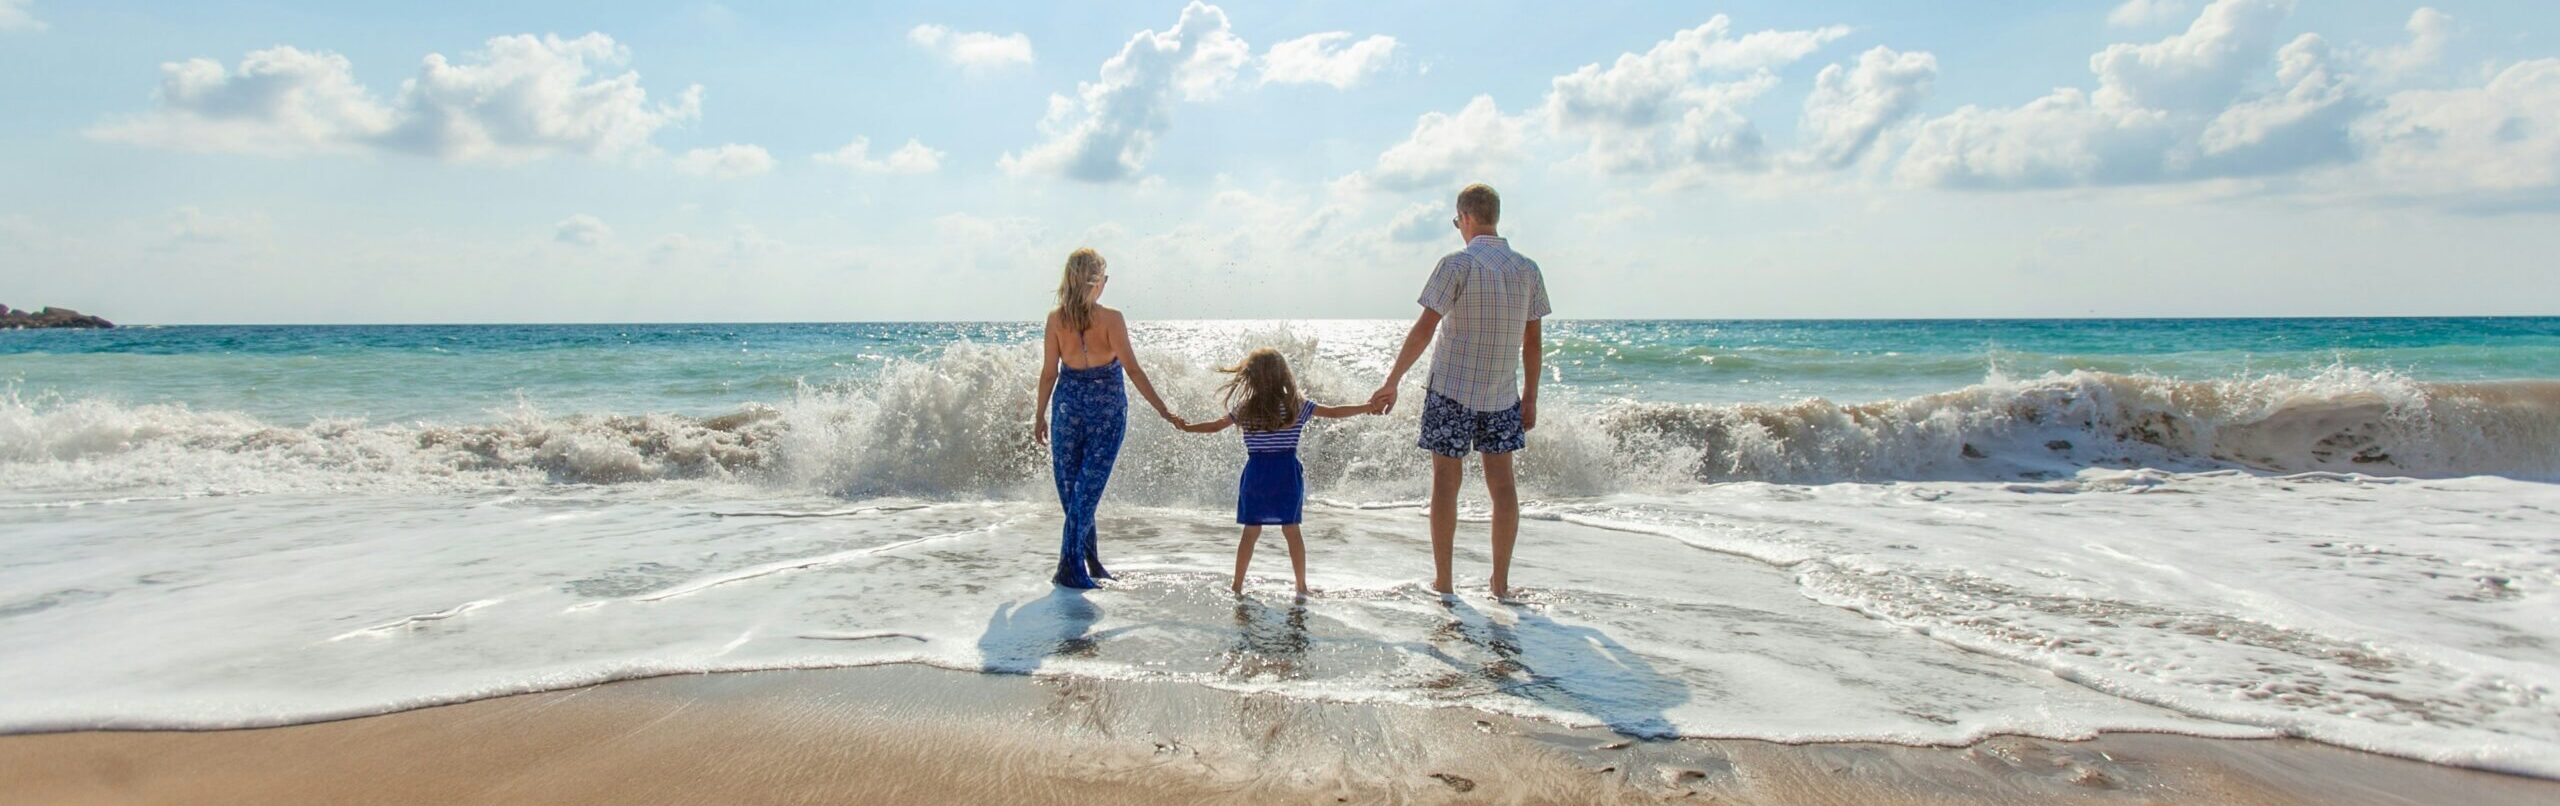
(1237, 588)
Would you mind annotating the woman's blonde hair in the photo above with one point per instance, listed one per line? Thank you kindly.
(1263, 393)
(1075, 288)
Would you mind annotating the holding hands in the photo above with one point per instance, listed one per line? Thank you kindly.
(1383, 401)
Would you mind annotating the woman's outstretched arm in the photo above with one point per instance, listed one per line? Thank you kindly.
(1138, 374)
(1211, 427)
(1048, 379)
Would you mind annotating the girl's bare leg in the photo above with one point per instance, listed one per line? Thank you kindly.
(1297, 556)
(1244, 555)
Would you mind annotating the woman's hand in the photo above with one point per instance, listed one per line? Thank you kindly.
(1171, 417)
(1040, 430)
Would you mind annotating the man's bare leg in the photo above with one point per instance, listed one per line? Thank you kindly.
(1499, 484)
(1446, 475)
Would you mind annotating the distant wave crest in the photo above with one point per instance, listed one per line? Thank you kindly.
(958, 425)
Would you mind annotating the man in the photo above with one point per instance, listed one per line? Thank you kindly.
(1485, 302)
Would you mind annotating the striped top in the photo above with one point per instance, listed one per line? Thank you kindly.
(1283, 440)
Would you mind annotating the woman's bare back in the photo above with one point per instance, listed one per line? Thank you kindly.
(1092, 348)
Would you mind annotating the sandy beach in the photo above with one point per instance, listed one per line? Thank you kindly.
(912, 734)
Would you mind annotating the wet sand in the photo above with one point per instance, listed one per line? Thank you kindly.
(909, 734)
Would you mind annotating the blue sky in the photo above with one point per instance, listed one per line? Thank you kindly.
(687, 161)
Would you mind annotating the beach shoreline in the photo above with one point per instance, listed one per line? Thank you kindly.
(915, 734)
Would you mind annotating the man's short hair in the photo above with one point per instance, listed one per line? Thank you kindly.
(1479, 202)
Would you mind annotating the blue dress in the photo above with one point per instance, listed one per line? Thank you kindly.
(1273, 491)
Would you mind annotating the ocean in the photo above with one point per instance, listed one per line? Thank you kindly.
(1923, 532)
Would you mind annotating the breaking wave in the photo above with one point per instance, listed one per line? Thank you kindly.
(958, 426)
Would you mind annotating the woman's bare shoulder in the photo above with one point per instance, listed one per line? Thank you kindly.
(1108, 315)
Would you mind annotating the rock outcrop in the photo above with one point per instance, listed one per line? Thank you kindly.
(49, 317)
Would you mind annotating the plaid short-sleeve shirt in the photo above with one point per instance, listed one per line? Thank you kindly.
(1486, 295)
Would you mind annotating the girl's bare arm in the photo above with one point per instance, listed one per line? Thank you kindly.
(1339, 412)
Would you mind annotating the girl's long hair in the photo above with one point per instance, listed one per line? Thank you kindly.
(1263, 393)
(1075, 289)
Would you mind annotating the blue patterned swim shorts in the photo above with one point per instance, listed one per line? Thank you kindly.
(1451, 429)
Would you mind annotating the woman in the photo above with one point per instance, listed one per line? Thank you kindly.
(1082, 354)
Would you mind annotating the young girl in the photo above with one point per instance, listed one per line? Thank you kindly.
(1263, 400)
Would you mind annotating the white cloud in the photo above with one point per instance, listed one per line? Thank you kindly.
(2429, 31)
(2163, 111)
(997, 244)
(2503, 136)
(731, 161)
(2201, 68)
(279, 101)
(1850, 107)
(581, 230)
(527, 97)
(1650, 112)
(520, 98)
(2061, 139)
(1447, 149)
(19, 15)
(2304, 123)
(746, 242)
(190, 225)
(1422, 223)
(1106, 132)
(976, 51)
(670, 247)
(2143, 13)
(1324, 59)
(912, 158)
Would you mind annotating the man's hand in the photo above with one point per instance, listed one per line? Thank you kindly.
(1384, 400)
(1528, 413)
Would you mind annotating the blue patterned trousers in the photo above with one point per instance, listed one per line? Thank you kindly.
(1088, 414)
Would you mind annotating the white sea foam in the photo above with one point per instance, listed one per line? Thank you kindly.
(2404, 617)
(957, 428)
(2349, 556)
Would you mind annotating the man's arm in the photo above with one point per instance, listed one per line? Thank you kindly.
(1530, 352)
(1414, 340)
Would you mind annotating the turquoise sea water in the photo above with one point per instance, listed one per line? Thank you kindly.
(460, 373)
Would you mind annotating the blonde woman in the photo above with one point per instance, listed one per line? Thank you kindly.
(1083, 354)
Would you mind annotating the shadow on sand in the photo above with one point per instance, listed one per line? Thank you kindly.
(1020, 637)
(1562, 666)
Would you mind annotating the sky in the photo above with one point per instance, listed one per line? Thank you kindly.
(315, 162)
